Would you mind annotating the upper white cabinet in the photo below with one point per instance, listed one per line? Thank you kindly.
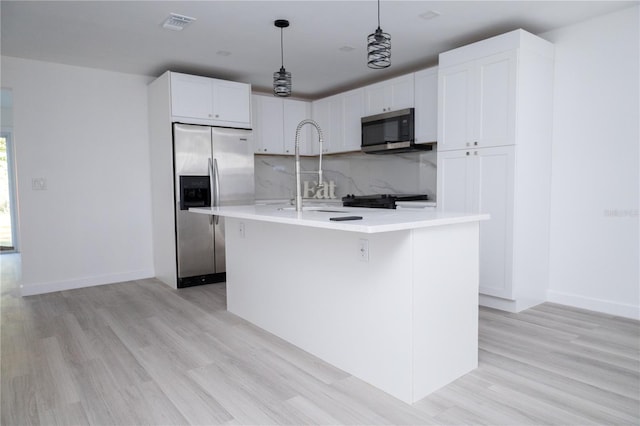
(426, 105)
(353, 104)
(210, 101)
(275, 123)
(477, 102)
(339, 117)
(495, 103)
(323, 113)
(294, 112)
(268, 129)
(390, 95)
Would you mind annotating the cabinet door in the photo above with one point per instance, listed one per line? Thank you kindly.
(327, 112)
(352, 128)
(494, 175)
(401, 93)
(390, 95)
(495, 83)
(426, 104)
(455, 107)
(321, 114)
(294, 112)
(191, 96)
(232, 103)
(334, 140)
(269, 125)
(376, 98)
(456, 183)
(255, 123)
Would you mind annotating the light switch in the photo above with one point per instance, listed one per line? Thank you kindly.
(38, 184)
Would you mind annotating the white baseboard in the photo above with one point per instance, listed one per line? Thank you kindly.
(513, 306)
(598, 305)
(50, 287)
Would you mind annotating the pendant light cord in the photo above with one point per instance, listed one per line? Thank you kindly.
(378, 13)
(281, 49)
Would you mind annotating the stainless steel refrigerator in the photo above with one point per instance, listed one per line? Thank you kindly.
(213, 166)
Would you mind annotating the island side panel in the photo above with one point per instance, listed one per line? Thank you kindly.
(309, 287)
(445, 305)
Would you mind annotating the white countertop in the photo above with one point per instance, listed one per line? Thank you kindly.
(373, 220)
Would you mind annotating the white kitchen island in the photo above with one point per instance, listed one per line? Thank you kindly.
(391, 299)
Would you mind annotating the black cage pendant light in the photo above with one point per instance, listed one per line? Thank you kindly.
(282, 78)
(378, 47)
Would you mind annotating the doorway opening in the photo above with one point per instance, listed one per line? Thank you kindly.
(8, 217)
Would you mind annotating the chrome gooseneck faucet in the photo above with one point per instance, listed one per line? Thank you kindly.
(298, 172)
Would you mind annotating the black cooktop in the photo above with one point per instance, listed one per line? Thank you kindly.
(381, 201)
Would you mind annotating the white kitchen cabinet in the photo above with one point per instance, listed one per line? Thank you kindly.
(426, 105)
(268, 124)
(210, 101)
(389, 95)
(353, 102)
(323, 113)
(339, 117)
(494, 156)
(276, 120)
(477, 103)
(294, 112)
(455, 185)
(481, 180)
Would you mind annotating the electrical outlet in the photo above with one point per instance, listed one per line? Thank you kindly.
(363, 250)
(241, 229)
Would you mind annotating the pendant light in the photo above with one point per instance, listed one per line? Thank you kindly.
(282, 78)
(378, 47)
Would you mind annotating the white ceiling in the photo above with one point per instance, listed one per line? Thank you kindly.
(127, 36)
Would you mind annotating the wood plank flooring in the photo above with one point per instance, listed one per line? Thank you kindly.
(139, 353)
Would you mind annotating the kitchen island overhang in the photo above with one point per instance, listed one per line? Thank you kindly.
(404, 318)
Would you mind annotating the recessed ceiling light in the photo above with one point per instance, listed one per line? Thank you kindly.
(432, 14)
(176, 22)
(223, 53)
(346, 48)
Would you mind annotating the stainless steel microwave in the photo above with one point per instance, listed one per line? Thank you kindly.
(390, 132)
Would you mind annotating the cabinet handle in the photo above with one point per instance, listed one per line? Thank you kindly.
(475, 143)
(475, 152)
(265, 150)
(468, 153)
(468, 144)
(210, 115)
(217, 116)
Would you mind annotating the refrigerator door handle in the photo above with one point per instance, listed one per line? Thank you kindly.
(216, 202)
(211, 186)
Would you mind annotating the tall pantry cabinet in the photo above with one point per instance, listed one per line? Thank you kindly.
(494, 156)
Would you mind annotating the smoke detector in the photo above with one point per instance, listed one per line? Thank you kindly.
(176, 22)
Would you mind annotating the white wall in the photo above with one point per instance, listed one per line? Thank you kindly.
(85, 132)
(595, 173)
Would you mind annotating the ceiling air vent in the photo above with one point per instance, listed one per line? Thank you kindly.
(176, 22)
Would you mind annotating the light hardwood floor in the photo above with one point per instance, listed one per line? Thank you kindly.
(140, 353)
